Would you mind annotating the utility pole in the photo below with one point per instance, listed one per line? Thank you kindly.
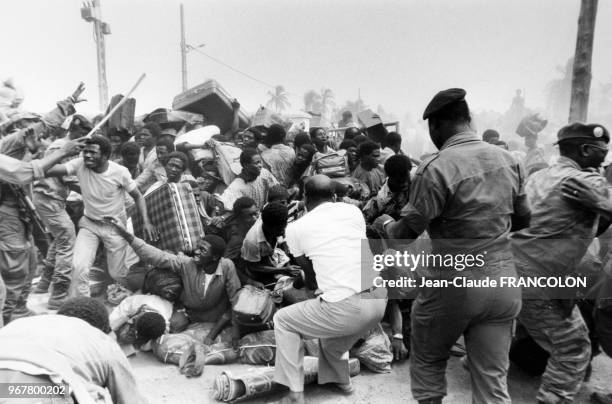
(183, 51)
(581, 75)
(92, 12)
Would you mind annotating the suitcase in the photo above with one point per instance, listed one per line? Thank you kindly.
(167, 118)
(228, 161)
(123, 119)
(210, 100)
(173, 211)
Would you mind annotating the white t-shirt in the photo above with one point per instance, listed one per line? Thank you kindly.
(331, 236)
(131, 304)
(103, 193)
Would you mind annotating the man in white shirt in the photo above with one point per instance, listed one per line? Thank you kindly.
(327, 243)
(103, 186)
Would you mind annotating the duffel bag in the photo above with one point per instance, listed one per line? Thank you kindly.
(253, 306)
(333, 165)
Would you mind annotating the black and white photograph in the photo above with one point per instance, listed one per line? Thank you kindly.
(316, 201)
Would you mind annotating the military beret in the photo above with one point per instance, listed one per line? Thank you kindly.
(582, 131)
(443, 99)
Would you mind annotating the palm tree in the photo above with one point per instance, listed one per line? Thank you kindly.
(312, 101)
(278, 99)
(354, 106)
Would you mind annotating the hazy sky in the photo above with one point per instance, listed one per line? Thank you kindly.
(398, 53)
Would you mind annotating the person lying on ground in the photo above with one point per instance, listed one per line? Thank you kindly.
(140, 319)
(210, 282)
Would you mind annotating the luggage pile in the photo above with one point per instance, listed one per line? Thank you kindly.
(211, 101)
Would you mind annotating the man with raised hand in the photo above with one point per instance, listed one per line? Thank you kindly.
(103, 185)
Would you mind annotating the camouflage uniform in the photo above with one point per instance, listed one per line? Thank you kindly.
(17, 254)
(558, 237)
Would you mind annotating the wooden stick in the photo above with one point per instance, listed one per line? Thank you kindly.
(116, 107)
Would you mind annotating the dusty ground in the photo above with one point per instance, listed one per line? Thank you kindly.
(162, 383)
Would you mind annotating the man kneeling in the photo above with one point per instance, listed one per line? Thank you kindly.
(327, 244)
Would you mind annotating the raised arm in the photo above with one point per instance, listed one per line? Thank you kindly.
(49, 164)
(149, 231)
(147, 253)
(235, 124)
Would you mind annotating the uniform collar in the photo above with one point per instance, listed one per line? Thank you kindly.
(568, 162)
(458, 138)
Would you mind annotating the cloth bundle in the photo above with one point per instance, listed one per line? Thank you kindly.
(251, 383)
(375, 352)
(186, 349)
(258, 348)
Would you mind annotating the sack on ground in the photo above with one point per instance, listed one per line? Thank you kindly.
(375, 352)
(258, 348)
(220, 353)
(253, 306)
(170, 347)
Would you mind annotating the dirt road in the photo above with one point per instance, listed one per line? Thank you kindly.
(163, 384)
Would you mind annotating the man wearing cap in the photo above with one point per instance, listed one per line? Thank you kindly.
(468, 196)
(552, 246)
(17, 254)
(50, 195)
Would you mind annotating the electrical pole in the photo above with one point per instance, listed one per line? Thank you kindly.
(581, 75)
(91, 12)
(183, 51)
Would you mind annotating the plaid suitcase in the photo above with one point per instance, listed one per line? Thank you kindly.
(173, 211)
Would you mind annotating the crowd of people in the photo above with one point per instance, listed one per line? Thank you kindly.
(299, 209)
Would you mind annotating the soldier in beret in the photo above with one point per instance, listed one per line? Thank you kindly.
(557, 238)
(468, 196)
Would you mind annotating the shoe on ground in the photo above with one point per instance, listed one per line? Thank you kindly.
(59, 294)
(21, 312)
(55, 303)
(42, 286)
